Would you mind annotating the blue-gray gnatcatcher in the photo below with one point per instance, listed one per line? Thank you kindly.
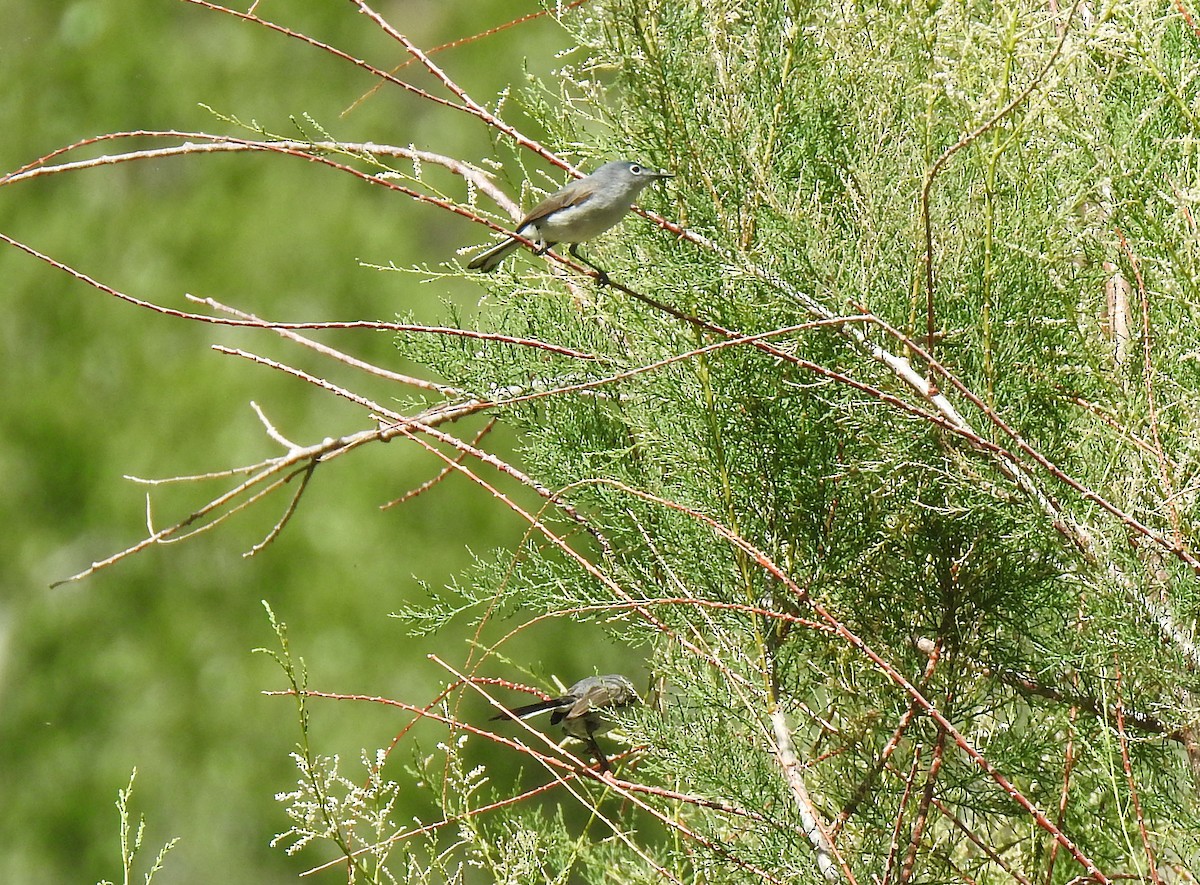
(581, 710)
(583, 209)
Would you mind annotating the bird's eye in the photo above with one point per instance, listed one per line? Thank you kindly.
(635, 169)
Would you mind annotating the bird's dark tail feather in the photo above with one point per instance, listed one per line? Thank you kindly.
(531, 709)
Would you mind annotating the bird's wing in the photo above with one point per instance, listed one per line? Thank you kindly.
(594, 698)
(571, 195)
(574, 707)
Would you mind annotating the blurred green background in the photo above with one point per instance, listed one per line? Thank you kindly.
(149, 664)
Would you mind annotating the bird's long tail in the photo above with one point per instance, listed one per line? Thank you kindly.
(532, 709)
(490, 260)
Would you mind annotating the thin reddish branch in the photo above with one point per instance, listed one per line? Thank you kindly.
(937, 420)
(898, 824)
(220, 144)
(734, 340)
(1028, 686)
(1049, 466)
(978, 841)
(427, 829)
(637, 605)
(566, 775)
(341, 357)
(288, 512)
(468, 104)
(967, 139)
(311, 151)
(1133, 790)
(1148, 376)
(1064, 793)
(689, 601)
(296, 459)
(981, 844)
(442, 474)
(670, 821)
(337, 53)
(412, 430)
(498, 464)
(1187, 17)
(428, 713)
(329, 386)
(889, 748)
(267, 324)
(1105, 417)
(894, 675)
(565, 770)
(464, 41)
(537, 524)
(864, 786)
(922, 818)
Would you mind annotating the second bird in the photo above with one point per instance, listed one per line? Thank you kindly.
(581, 710)
(583, 209)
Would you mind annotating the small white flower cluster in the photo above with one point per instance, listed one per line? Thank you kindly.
(328, 805)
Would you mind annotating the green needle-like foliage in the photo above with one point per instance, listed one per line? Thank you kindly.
(876, 463)
(985, 482)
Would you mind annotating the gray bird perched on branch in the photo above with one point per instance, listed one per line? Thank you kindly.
(583, 209)
(581, 710)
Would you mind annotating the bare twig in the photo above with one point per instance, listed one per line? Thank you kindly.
(206, 143)
(894, 675)
(442, 474)
(332, 50)
(467, 104)
(898, 824)
(339, 356)
(263, 324)
(1148, 377)
(922, 816)
(463, 41)
(828, 859)
(967, 139)
(1133, 790)
(305, 476)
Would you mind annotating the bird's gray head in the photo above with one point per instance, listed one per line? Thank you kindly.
(612, 690)
(626, 177)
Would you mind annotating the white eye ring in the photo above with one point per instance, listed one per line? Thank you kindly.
(635, 169)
